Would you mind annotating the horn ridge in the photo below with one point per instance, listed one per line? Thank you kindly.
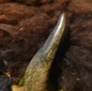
(36, 75)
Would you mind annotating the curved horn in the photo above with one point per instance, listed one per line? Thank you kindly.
(36, 75)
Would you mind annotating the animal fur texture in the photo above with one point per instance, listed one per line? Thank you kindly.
(26, 24)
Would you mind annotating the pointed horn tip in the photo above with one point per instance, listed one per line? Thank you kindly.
(62, 17)
(63, 20)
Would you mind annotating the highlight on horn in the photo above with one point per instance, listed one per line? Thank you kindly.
(36, 75)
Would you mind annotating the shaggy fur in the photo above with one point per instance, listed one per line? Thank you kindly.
(26, 24)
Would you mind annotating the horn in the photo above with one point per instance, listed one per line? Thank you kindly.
(36, 75)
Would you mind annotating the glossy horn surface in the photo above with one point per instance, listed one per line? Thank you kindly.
(36, 75)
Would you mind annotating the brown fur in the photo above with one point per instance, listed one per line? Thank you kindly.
(24, 27)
